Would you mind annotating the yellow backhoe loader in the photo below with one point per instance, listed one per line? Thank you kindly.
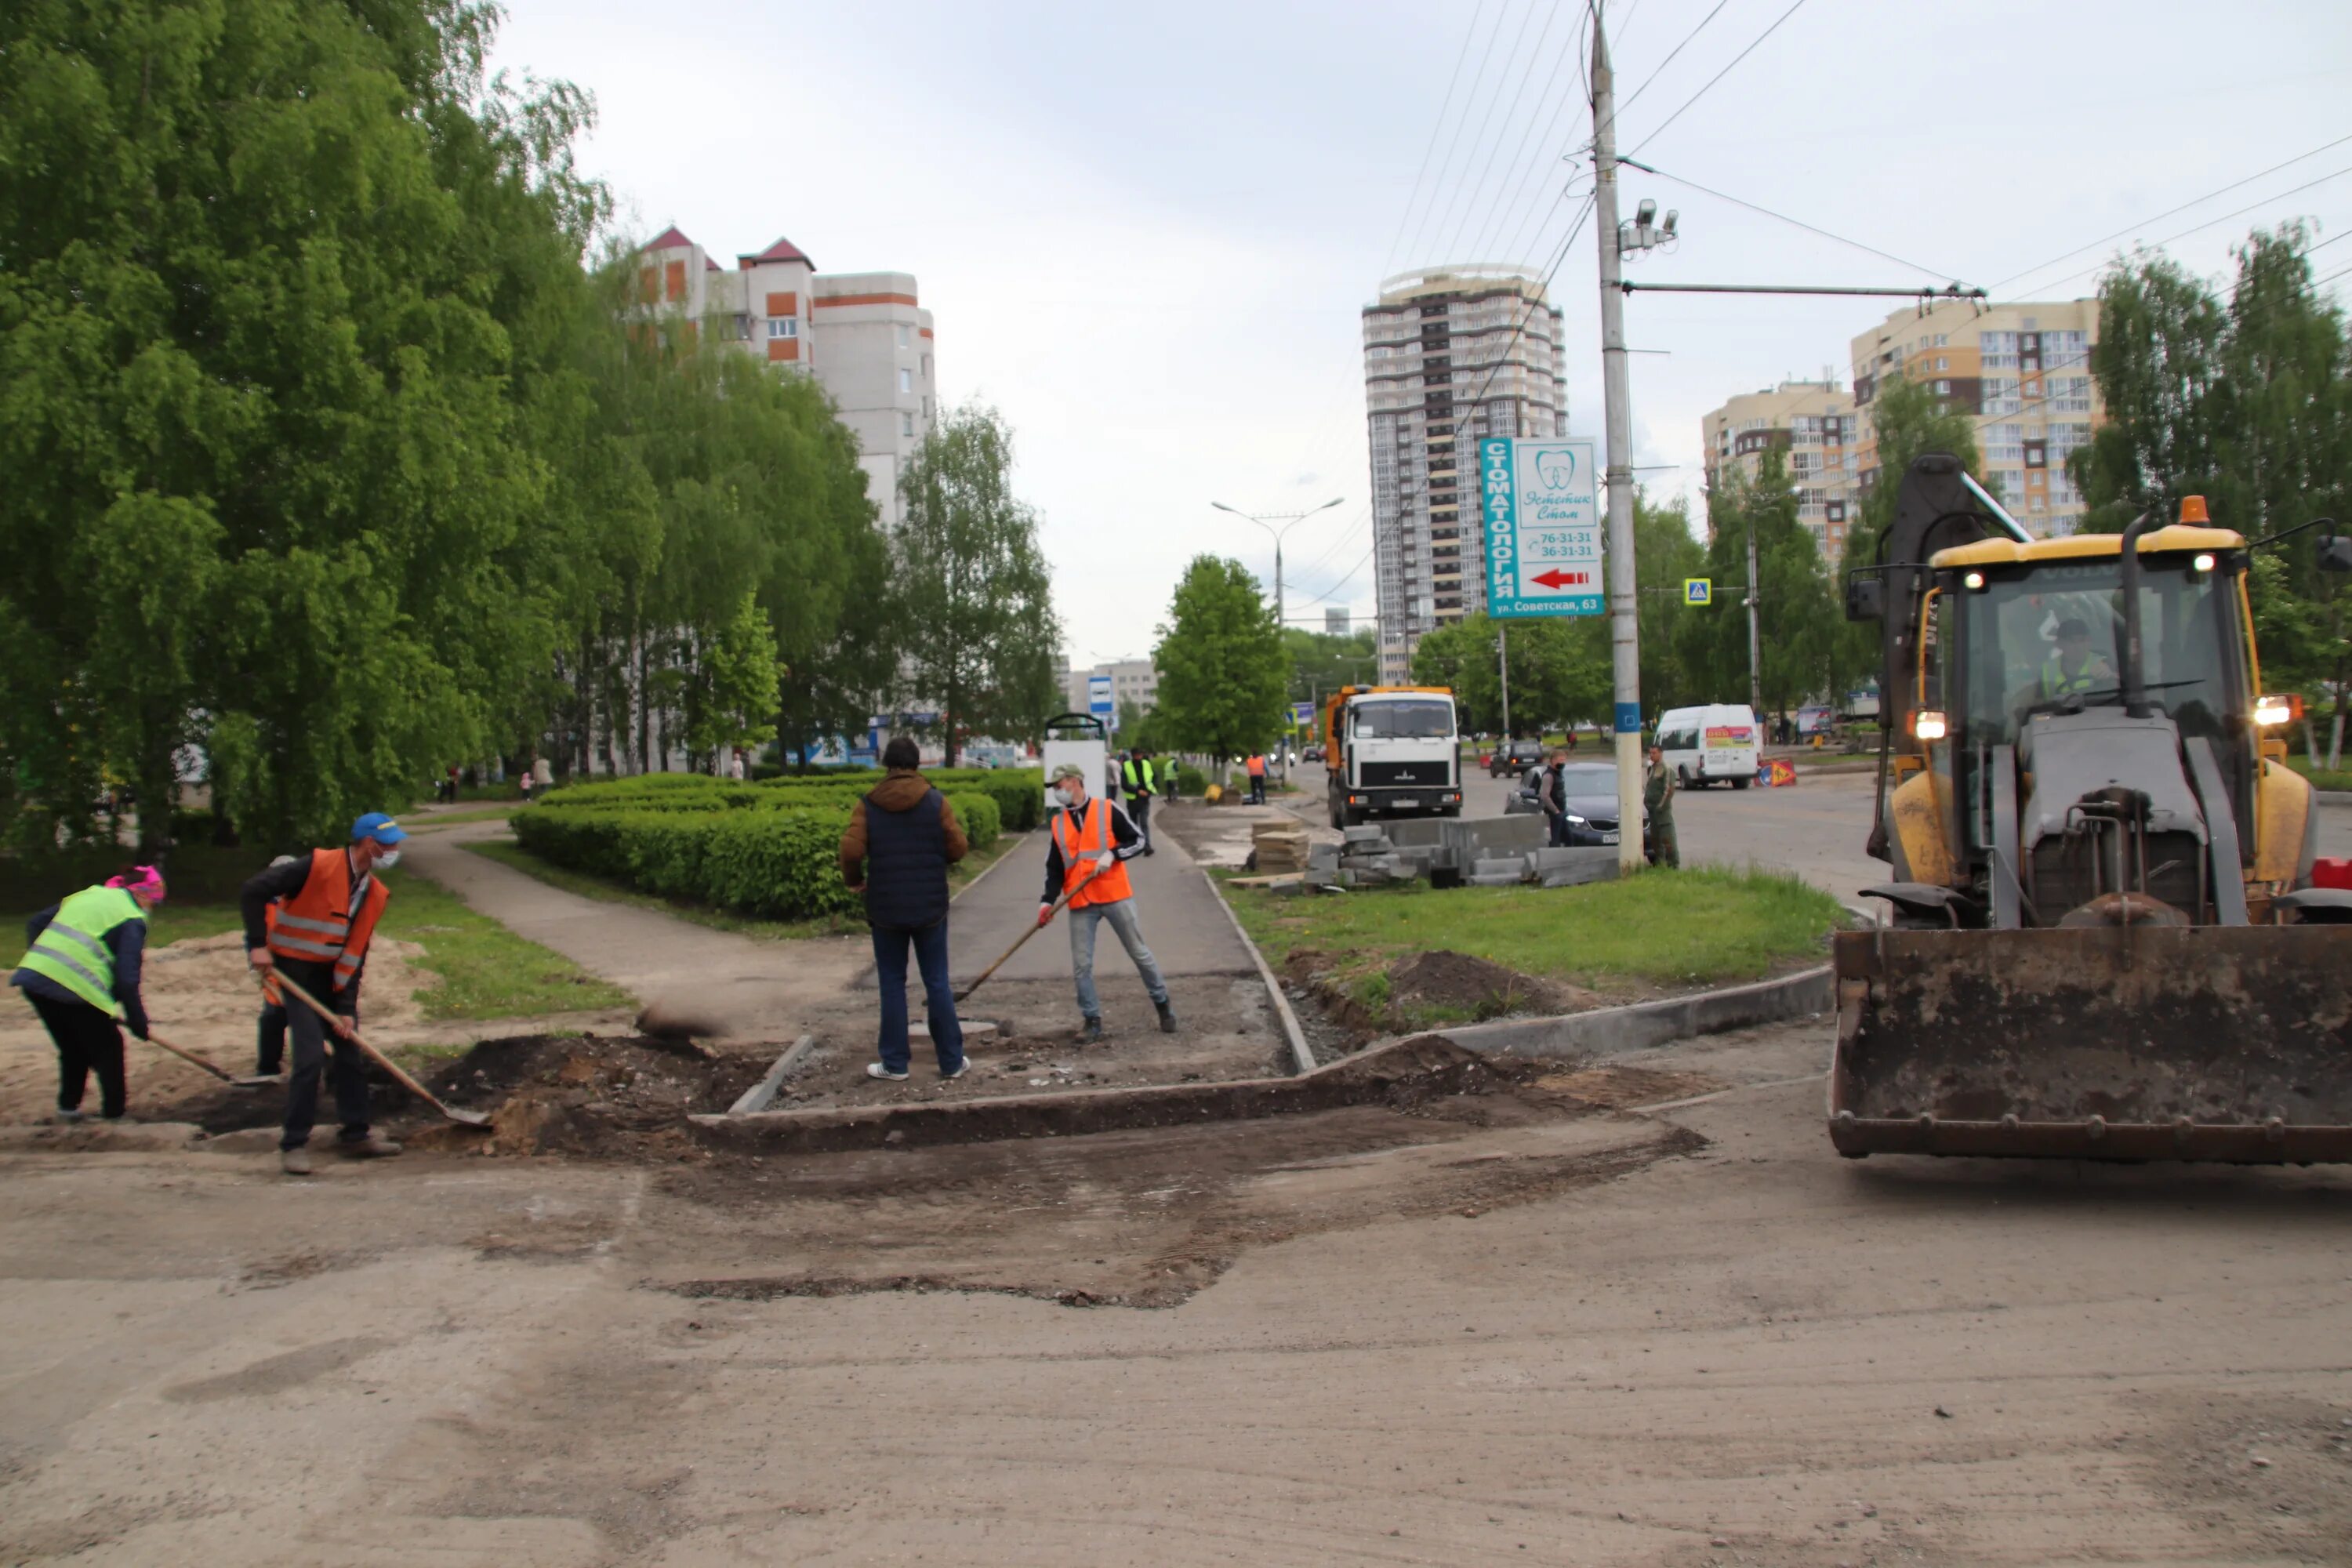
(2104, 941)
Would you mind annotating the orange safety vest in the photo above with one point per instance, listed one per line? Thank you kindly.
(1105, 887)
(315, 925)
(1257, 765)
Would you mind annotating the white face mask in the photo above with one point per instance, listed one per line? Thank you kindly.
(1067, 798)
(387, 860)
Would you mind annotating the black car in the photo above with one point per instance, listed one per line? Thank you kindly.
(1590, 792)
(1513, 758)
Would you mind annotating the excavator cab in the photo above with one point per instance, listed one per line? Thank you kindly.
(2103, 941)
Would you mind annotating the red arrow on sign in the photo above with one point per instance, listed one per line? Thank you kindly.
(1556, 578)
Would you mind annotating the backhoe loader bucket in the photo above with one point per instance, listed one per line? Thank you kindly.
(2227, 1043)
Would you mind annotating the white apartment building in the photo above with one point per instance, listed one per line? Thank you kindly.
(1451, 353)
(863, 335)
(1814, 426)
(1135, 681)
(2023, 371)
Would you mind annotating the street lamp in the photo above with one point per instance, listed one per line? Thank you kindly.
(1289, 519)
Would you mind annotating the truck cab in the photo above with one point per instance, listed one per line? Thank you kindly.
(1392, 751)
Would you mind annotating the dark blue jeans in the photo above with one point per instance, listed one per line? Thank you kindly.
(930, 945)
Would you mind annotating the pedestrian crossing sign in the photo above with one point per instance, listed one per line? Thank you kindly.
(1698, 590)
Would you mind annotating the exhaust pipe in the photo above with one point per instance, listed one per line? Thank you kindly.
(2135, 674)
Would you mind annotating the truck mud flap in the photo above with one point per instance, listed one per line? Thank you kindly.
(2141, 1043)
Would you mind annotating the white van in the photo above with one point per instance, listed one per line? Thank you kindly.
(1705, 745)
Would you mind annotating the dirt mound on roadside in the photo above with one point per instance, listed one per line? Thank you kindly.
(1442, 978)
(624, 1097)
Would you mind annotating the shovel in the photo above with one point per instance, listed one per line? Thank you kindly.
(185, 1056)
(463, 1118)
(1059, 904)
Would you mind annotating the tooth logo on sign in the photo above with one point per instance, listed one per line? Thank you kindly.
(1542, 533)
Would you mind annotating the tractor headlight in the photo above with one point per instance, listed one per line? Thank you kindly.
(2272, 710)
(1929, 724)
(2201, 563)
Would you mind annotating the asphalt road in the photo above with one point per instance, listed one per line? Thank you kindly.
(1814, 827)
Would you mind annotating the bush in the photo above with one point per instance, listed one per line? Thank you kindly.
(777, 857)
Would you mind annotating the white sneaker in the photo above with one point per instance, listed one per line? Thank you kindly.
(961, 1068)
(876, 1069)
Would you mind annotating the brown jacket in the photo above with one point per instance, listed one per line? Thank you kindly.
(899, 792)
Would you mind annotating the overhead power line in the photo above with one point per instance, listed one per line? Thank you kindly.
(1421, 229)
(1784, 218)
(1405, 217)
(1718, 76)
(2171, 211)
(2209, 222)
(1469, 192)
(1653, 76)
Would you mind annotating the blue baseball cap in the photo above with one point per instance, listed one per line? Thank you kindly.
(376, 825)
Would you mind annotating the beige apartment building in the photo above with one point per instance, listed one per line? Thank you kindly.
(2023, 371)
(1451, 353)
(864, 335)
(1135, 681)
(1812, 424)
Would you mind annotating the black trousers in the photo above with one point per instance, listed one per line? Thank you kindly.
(88, 1041)
(312, 1047)
(1138, 806)
(270, 1041)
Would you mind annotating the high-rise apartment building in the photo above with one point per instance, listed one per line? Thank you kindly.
(1451, 353)
(862, 334)
(1814, 426)
(2023, 371)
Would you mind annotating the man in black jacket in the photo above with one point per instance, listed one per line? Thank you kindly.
(901, 840)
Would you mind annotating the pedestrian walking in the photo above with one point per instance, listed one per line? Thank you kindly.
(1142, 785)
(1658, 800)
(735, 768)
(1551, 793)
(329, 904)
(1256, 766)
(1086, 857)
(1110, 777)
(81, 973)
(902, 838)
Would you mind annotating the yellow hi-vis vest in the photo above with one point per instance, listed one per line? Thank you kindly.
(71, 948)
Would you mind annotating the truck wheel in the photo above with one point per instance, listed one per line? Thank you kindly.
(1338, 817)
(1742, 782)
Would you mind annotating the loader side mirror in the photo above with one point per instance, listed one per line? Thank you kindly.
(2335, 553)
(1865, 596)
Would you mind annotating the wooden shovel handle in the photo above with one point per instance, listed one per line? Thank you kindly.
(470, 1118)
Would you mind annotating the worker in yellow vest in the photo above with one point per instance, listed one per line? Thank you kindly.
(81, 973)
(1086, 859)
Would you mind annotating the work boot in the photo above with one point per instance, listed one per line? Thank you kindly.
(294, 1161)
(374, 1146)
(1167, 1017)
(67, 1115)
(1092, 1034)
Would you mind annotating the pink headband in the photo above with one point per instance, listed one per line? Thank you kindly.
(149, 882)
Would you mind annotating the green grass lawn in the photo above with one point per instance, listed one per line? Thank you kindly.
(2321, 778)
(507, 853)
(1673, 930)
(426, 824)
(486, 971)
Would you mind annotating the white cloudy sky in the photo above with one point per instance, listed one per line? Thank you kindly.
(1147, 232)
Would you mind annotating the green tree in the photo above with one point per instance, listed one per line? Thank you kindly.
(1320, 663)
(1795, 614)
(1222, 663)
(972, 601)
(730, 698)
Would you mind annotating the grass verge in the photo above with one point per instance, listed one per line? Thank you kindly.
(486, 970)
(1670, 929)
(426, 824)
(2321, 778)
(507, 853)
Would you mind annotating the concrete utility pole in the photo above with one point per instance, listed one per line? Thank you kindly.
(1616, 396)
(1503, 661)
(1289, 519)
(1754, 644)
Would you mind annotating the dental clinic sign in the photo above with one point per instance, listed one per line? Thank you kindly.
(1542, 528)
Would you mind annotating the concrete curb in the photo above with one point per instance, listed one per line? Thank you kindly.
(1405, 1070)
(763, 1094)
(1302, 1058)
(2339, 798)
(1609, 1030)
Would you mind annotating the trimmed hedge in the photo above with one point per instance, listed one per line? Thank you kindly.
(1019, 793)
(769, 859)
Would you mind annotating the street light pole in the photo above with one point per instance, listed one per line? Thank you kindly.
(1617, 397)
(1289, 519)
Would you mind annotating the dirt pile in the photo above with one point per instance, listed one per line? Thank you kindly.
(1442, 978)
(600, 1096)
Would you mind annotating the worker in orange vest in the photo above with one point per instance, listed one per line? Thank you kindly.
(328, 906)
(1086, 860)
(1256, 765)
